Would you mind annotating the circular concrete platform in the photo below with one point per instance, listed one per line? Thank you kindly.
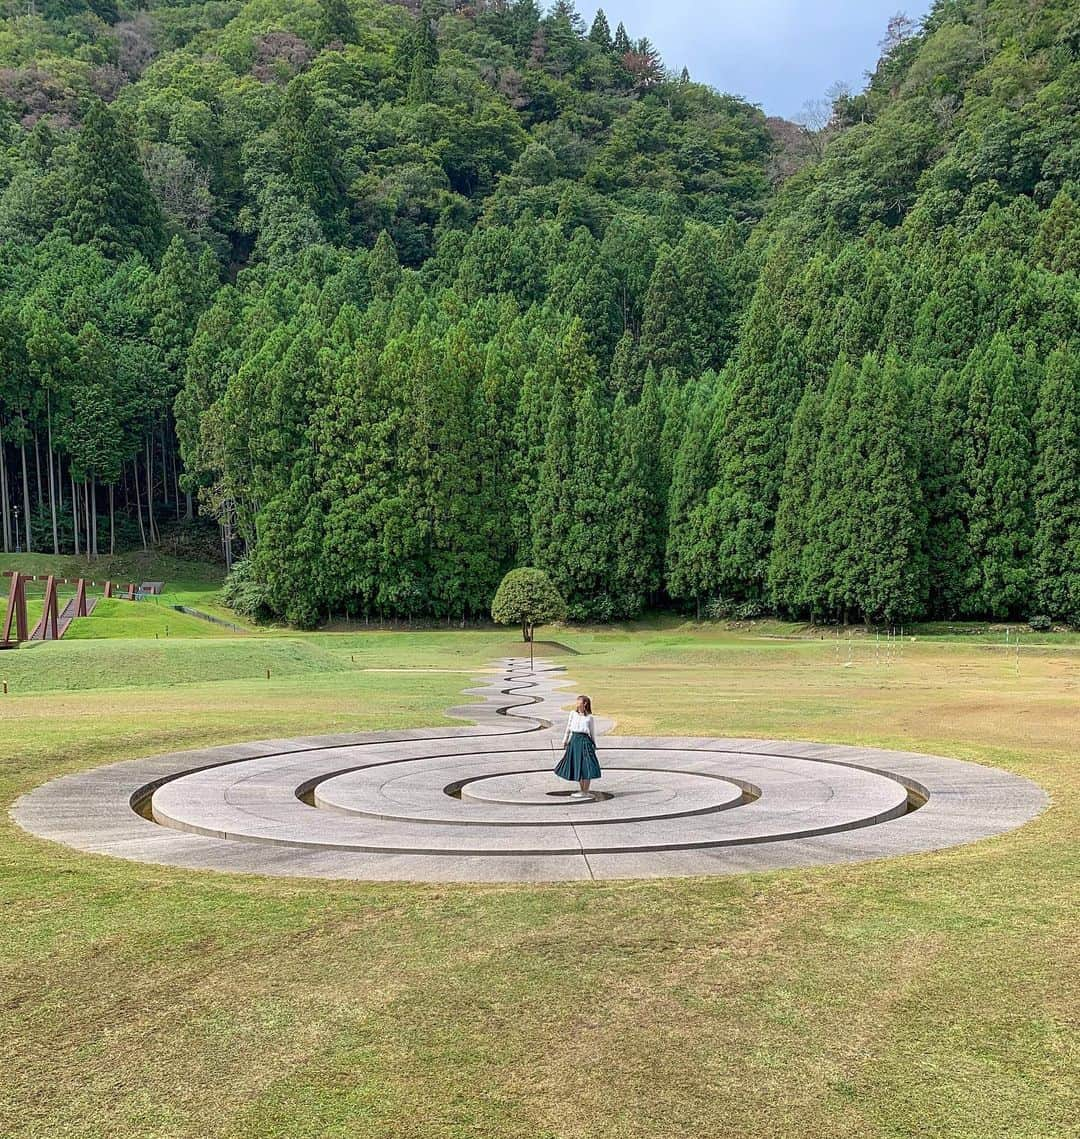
(482, 803)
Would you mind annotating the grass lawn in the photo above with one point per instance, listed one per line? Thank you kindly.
(926, 996)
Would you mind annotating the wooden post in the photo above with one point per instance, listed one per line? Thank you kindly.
(108, 589)
(50, 614)
(80, 598)
(16, 610)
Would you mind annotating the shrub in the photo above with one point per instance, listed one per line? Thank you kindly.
(1041, 623)
(244, 594)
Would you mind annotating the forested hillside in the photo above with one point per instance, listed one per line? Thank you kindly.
(406, 295)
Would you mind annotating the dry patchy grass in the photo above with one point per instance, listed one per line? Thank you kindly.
(930, 996)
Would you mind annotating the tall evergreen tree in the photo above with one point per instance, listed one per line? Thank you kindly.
(688, 558)
(109, 203)
(1056, 549)
(638, 503)
(791, 535)
(890, 522)
(423, 55)
(766, 387)
(944, 445)
(998, 472)
(666, 332)
(831, 526)
(383, 267)
(600, 32)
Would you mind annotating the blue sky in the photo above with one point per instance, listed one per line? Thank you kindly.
(779, 53)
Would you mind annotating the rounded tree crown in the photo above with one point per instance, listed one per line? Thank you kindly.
(528, 596)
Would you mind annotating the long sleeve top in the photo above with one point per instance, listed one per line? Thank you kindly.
(579, 723)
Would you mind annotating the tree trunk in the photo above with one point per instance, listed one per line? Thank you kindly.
(176, 484)
(93, 512)
(4, 508)
(190, 506)
(228, 545)
(112, 519)
(164, 470)
(86, 516)
(37, 471)
(52, 478)
(150, 492)
(74, 511)
(138, 501)
(26, 496)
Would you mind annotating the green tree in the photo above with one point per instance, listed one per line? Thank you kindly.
(1056, 548)
(689, 552)
(791, 535)
(638, 503)
(998, 477)
(600, 32)
(383, 267)
(527, 597)
(422, 54)
(109, 203)
(336, 22)
(890, 576)
(832, 525)
(766, 387)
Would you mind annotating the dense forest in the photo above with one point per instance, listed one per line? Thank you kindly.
(403, 295)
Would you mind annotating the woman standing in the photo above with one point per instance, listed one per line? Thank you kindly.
(579, 763)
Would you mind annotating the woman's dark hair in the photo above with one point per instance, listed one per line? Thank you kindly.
(586, 703)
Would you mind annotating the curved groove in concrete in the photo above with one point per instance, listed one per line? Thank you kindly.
(667, 806)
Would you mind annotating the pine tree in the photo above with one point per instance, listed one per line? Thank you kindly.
(550, 515)
(574, 504)
(942, 479)
(665, 331)
(1056, 548)
(890, 523)
(422, 53)
(576, 363)
(1057, 246)
(791, 536)
(591, 507)
(688, 558)
(831, 526)
(110, 204)
(180, 292)
(638, 504)
(384, 270)
(708, 294)
(621, 43)
(624, 375)
(1000, 510)
(766, 388)
(600, 32)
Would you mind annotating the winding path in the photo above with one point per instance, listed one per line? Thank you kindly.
(480, 803)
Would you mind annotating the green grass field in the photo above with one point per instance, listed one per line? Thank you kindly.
(927, 996)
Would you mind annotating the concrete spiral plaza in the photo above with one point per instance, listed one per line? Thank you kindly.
(480, 803)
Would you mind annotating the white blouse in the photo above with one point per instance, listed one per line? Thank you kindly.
(579, 723)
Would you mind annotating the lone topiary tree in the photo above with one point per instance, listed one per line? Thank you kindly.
(527, 597)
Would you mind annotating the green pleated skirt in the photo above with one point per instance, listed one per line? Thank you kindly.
(579, 760)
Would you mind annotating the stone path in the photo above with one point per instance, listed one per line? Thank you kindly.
(481, 803)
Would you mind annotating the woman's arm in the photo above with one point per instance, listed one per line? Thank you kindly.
(566, 734)
(590, 728)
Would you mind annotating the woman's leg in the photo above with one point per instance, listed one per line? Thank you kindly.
(585, 784)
